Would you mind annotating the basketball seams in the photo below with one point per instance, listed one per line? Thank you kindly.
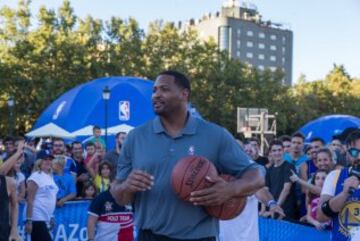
(203, 175)
(184, 176)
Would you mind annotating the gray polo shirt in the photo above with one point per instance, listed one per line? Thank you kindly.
(151, 149)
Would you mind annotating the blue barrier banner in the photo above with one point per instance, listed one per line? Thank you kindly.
(71, 220)
(274, 230)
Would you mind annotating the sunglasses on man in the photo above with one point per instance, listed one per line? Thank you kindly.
(354, 152)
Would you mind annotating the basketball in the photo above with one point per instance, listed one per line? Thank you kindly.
(231, 208)
(189, 175)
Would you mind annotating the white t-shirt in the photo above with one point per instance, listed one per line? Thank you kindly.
(329, 187)
(45, 197)
(244, 227)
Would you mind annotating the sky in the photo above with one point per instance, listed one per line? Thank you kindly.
(325, 31)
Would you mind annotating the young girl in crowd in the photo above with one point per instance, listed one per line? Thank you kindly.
(102, 176)
(313, 201)
(323, 162)
(88, 191)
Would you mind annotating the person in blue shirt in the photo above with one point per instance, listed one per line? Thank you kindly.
(296, 156)
(64, 181)
(150, 153)
(59, 149)
(340, 195)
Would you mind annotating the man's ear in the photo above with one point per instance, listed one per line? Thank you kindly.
(186, 94)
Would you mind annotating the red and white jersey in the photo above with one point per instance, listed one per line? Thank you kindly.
(114, 222)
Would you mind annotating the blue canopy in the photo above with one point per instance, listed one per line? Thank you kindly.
(129, 103)
(328, 126)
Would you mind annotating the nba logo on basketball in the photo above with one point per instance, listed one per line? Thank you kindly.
(124, 110)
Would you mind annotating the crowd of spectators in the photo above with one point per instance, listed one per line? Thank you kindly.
(296, 171)
(80, 170)
(54, 172)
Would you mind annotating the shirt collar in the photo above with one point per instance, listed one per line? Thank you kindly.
(189, 128)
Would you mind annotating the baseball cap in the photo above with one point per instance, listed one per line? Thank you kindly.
(44, 154)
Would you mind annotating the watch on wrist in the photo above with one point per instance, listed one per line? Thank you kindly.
(271, 203)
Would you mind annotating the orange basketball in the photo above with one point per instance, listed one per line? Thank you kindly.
(189, 175)
(231, 208)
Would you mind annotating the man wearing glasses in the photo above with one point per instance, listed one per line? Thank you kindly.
(59, 149)
(340, 196)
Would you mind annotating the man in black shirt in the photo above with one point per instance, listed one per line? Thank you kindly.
(257, 157)
(82, 174)
(278, 180)
(113, 155)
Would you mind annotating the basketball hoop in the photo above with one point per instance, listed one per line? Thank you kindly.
(247, 131)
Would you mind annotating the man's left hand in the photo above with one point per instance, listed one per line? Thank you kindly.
(215, 195)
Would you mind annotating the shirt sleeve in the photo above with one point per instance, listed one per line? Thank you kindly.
(95, 206)
(35, 178)
(124, 165)
(72, 185)
(267, 178)
(288, 173)
(329, 186)
(73, 168)
(231, 157)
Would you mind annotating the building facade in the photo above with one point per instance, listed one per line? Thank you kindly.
(240, 30)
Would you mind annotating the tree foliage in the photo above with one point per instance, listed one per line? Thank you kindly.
(40, 60)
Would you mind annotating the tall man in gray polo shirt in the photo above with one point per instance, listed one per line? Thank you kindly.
(151, 151)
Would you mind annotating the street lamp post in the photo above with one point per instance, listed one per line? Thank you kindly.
(11, 103)
(106, 97)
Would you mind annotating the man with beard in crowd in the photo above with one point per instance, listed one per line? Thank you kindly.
(340, 196)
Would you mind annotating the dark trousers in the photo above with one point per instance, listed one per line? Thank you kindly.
(148, 235)
(4, 232)
(40, 231)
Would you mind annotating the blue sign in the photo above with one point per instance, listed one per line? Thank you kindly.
(71, 220)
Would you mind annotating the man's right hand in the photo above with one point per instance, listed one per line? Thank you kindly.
(138, 181)
(350, 183)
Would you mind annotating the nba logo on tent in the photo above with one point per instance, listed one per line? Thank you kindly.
(124, 110)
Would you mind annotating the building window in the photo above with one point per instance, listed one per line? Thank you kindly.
(238, 32)
(273, 37)
(261, 67)
(273, 47)
(261, 35)
(238, 44)
(249, 55)
(283, 50)
(272, 68)
(249, 44)
(284, 39)
(250, 33)
(273, 58)
(261, 46)
(283, 60)
(224, 38)
(238, 54)
(261, 56)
